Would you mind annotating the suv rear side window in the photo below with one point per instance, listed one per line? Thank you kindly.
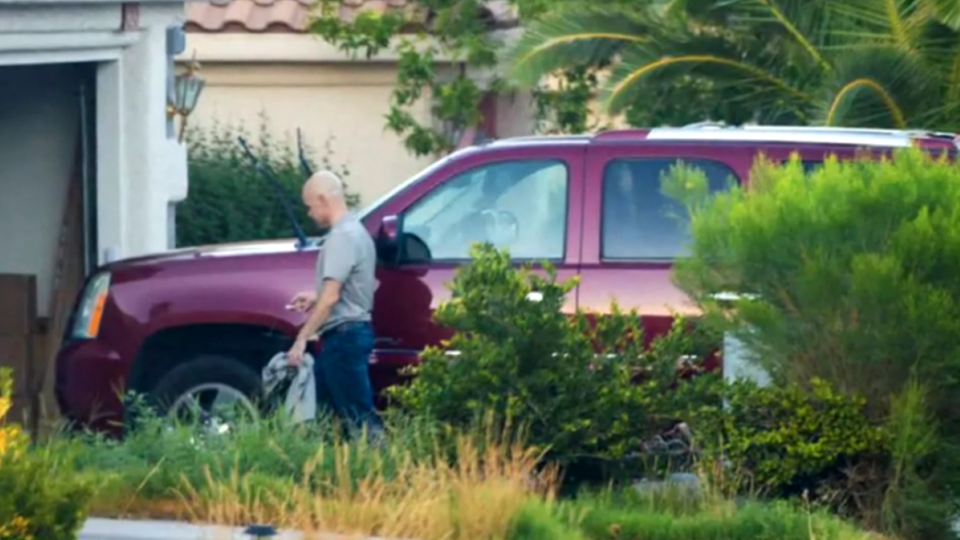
(639, 221)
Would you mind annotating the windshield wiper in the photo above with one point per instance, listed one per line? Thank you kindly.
(304, 165)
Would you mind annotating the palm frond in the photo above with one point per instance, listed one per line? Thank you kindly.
(940, 50)
(573, 36)
(710, 58)
(952, 82)
(892, 22)
(846, 97)
(879, 87)
(806, 22)
(947, 12)
(885, 63)
(802, 25)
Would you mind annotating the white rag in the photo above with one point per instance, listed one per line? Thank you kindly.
(300, 403)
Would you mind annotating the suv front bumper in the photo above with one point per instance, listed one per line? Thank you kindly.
(90, 382)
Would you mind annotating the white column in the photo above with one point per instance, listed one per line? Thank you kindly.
(145, 133)
(112, 210)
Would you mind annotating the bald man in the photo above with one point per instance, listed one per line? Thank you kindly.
(339, 310)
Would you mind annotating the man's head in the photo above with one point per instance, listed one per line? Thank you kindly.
(324, 198)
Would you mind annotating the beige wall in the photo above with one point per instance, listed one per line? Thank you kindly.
(344, 100)
(598, 116)
(515, 114)
(38, 139)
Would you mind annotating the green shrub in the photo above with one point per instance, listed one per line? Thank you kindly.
(855, 270)
(669, 515)
(571, 383)
(39, 498)
(229, 201)
(785, 441)
(649, 520)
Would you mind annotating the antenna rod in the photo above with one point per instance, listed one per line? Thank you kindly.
(278, 188)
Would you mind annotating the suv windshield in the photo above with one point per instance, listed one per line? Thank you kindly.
(375, 205)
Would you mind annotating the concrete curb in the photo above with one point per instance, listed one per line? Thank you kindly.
(122, 529)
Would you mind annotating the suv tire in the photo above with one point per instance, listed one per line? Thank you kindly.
(206, 370)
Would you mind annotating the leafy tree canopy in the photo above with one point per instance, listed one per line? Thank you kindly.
(853, 63)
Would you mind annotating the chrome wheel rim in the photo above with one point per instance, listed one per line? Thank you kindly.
(216, 408)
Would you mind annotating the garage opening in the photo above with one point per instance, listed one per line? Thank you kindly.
(47, 220)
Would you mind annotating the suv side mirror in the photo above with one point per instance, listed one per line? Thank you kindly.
(388, 240)
(390, 229)
(394, 246)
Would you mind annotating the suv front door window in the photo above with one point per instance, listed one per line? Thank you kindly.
(518, 205)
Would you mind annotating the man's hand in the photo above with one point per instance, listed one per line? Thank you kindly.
(319, 309)
(296, 352)
(303, 302)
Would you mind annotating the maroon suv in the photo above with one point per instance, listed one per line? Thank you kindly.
(200, 323)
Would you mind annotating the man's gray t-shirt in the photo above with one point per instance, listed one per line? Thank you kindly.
(348, 255)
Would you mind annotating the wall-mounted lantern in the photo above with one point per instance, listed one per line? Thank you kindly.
(187, 87)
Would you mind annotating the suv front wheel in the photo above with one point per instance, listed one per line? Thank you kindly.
(215, 392)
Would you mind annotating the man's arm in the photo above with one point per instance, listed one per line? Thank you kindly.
(329, 296)
(339, 257)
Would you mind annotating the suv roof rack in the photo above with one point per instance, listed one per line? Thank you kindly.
(720, 131)
(704, 131)
(537, 139)
(706, 124)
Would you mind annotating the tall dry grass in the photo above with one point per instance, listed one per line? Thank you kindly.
(473, 498)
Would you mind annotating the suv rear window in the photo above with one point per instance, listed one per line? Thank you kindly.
(640, 222)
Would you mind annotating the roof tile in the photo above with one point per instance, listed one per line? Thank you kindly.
(292, 16)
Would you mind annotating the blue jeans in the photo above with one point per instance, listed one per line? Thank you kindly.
(343, 379)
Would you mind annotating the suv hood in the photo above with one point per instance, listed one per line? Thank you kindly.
(238, 249)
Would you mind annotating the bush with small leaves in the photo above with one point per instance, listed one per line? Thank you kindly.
(787, 440)
(40, 499)
(851, 270)
(580, 386)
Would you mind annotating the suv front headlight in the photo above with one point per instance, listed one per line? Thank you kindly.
(86, 322)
